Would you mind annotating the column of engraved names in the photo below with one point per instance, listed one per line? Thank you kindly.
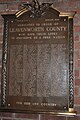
(16, 70)
(43, 70)
(59, 69)
(29, 70)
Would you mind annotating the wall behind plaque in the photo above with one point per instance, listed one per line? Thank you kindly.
(12, 6)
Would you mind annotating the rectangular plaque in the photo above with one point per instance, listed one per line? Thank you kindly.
(37, 67)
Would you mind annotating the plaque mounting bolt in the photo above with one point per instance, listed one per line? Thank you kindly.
(9, 104)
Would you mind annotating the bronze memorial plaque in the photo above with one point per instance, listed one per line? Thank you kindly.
(37, 65)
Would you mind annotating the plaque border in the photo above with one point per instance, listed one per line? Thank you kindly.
(4, 64)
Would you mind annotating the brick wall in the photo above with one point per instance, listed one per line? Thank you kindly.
(11, 6)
